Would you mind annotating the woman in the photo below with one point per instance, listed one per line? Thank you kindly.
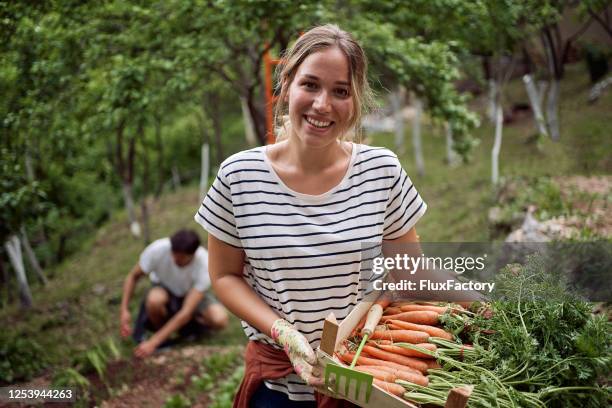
(288, 222)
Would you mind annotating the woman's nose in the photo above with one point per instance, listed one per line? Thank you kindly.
(322, 102)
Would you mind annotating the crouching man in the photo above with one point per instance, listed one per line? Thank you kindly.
(179, 299)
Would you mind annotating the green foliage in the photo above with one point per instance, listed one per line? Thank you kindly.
(177, 401)
(20, 199)
(224, 396)
(543, 337)
(69, 377)
(20, 358)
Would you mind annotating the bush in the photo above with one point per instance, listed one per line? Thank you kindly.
(20, 358)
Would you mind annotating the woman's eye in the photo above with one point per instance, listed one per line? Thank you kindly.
(309, 85)
(342, 92)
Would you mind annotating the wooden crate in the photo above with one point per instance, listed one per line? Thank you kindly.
(331, 340)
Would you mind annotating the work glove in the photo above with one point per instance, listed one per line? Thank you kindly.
(301, 355)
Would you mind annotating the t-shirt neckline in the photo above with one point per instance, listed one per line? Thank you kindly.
(312, 197)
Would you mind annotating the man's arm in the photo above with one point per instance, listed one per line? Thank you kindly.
(177, 321)
(128, 290)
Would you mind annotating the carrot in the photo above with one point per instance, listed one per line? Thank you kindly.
(396, 358)
(420, 308)
(391, 388)
(432, 364)
(383, 303)
(408, 336)
(422, 317)
(359, 326)
(377, 373)
(392, 310)
(432, 331)
(387, 342)
(415, 378)
(409, 352)
(370, 361)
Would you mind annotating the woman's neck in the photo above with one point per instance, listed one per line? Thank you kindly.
(311, 160)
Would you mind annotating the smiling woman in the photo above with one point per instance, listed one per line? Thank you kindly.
(287, 222)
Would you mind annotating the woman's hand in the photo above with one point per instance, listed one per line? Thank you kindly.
(302, 356)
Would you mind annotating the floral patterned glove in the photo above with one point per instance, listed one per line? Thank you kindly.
(298, 350)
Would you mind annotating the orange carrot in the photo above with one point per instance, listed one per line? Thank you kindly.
(383, 303)
(415, 378)
(392, 311)
(369, 361)
(432, 364)
(359, 326)
(411, 362)
(433, 331)
(420, 308)
(391, 388)
(422, 317)
(409, 352)
(377, 373)
(407, 336)
(387, 342)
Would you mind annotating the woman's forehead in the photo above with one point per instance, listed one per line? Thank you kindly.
(330, 64)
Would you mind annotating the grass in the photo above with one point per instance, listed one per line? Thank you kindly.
(80, 306)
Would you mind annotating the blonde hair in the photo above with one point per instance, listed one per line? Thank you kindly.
(315, 40)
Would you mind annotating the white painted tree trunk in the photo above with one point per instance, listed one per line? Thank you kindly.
(395, 99)
(13, 248)
(128, 199)
(204, 171)
(32, 257)
(451, 155)
(416, 137)
(249, 127)
(492, 109)
(552, 110)
(535, 99)
(499, 124)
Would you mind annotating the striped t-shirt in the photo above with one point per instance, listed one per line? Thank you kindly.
(304, 252)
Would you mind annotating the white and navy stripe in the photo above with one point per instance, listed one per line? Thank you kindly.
(304, 253)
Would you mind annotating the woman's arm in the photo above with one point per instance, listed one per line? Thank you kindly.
(225, 265)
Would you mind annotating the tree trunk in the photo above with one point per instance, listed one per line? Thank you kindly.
(492, 109)
(4, 283)
(258, 117)
(32, 257)
(159, 146)
(396, 98)
(555, 69)
(552, 108)
(13, 248)
(128, 200)
(204, 171)
(416, 137)
(176, 177)
(249, 128)
(536, 103)
(499, 124)
(145, 185)
(451, 155)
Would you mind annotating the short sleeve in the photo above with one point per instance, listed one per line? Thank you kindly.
(216, 213)
(202, 279)
(405, 205)
(149, 258)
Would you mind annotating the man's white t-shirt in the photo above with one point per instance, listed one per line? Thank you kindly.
(157, 262)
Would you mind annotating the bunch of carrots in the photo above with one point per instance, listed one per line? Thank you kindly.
(389, 355)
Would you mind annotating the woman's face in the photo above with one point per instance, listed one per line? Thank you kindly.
(320, 103)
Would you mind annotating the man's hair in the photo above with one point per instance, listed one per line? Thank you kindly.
(185, 241)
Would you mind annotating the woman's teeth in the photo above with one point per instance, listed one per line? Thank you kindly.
(317, 123)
